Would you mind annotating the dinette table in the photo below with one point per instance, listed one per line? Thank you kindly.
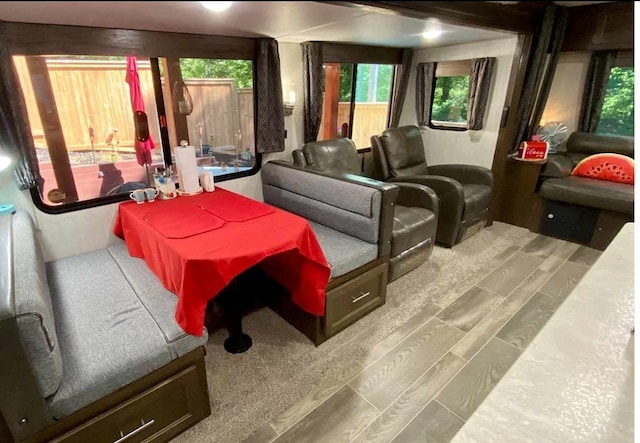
(196, 245)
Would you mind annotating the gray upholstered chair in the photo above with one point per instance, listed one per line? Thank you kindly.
(416, 209)
(464, 191)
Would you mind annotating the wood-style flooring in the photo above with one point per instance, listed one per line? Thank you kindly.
(426, 378)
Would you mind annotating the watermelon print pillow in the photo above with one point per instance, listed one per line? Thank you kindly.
(612, 167)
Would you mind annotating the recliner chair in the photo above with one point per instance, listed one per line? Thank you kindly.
(415, 214)
(464, 191)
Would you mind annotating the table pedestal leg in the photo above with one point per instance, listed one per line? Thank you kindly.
(229, 301)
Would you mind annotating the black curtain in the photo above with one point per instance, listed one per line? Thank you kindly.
(400, 83)
(479, 87)
(313, 88)
(15, 136)
(541, 67)
(270, 107)
(425, 77)
(595, 89)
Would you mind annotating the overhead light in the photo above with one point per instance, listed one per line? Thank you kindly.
(4, 162)
(432, 34)
(216, 6)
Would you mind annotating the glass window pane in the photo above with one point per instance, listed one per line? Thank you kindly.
(450, 99)
(85, 147)
(617, 110)
(373, 93)
(220, 125)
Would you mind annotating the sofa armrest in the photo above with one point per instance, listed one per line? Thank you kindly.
(298, 158)
(465, 174)
(558, 166)
(388, 192)
(415, 195)
(451, 204)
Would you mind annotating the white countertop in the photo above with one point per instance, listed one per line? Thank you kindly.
(575, 380)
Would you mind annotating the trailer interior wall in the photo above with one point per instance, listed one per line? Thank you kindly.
(470, 147)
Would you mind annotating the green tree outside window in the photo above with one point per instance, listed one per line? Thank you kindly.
(450, 99)
(617, 111)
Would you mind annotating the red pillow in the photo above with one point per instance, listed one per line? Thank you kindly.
(612, 167)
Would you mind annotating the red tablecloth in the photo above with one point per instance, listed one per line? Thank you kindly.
(197, 267)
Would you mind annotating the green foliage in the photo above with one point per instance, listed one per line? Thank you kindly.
(239, 70)
(364, 78)
(617, 110)
(450, 99)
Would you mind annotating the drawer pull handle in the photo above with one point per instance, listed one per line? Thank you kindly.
(135, 431)
(360, 297)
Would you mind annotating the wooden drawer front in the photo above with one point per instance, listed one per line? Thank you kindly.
(356, 298)
(149, 416)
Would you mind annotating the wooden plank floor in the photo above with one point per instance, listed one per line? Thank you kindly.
(425, 379)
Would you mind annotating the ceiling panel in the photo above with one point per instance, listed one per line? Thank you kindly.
(285, 21)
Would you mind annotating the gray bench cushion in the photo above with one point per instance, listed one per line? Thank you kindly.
(159, 302)
(35, 316)
(107, 337)
(601, 194)
(343, 252)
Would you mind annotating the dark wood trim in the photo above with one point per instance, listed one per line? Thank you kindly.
(39, 39)
(51, 126)
(350, 53)
(600, 27)
(162, 113)
(474, 14)
(509, 124)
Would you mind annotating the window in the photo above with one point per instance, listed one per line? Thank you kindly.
(220, 125)
(617, 111)
(79, 110)
(82, 121)
(356, 101)
(451, 95)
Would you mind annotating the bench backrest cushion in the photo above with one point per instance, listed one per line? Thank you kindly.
(34, 312)
(346, 207)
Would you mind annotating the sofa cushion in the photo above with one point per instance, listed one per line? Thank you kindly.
(343, 252)
(617, 197)
(476, 199)
(107, 337)
(159, 302)
(34, 312)
(410, 227)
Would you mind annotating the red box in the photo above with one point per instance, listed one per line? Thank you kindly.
(533, 150)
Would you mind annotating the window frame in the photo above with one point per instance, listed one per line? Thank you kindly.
(449, 68)
(354, 54)
(29, 39)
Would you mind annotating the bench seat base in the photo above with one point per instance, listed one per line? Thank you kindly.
(155, 408)
(349, 298)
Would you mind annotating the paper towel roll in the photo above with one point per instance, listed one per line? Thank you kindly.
(187, 168)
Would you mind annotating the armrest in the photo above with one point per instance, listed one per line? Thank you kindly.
(465, 174)
(415, 195)
(558, 166)
(298, 158)
(451, 204)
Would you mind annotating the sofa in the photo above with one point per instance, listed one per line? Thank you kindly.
(464, 191)
(415, 215)
(352, 218)
(583, 209)
(90, 348)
